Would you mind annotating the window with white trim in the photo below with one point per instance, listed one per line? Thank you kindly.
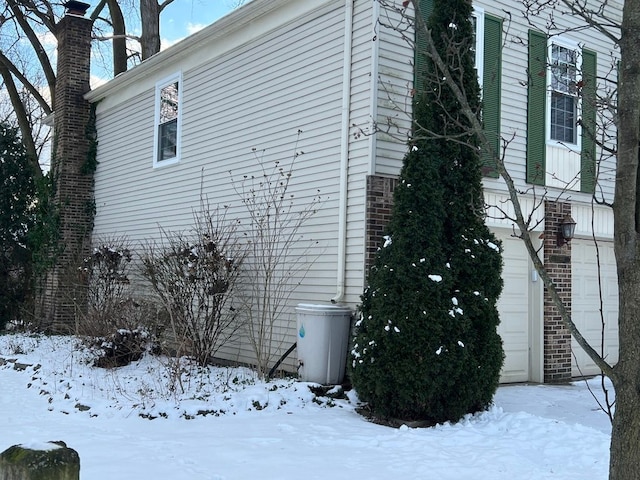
(563, 103)
(477, 21)
(168, 121)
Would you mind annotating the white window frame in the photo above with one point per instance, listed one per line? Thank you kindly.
(157, 162)
(572, 45)
(478, 15)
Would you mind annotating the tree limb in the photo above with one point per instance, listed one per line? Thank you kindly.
(477, 129)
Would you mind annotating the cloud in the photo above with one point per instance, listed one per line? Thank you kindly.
(191, 28)
(166, 43)
(97, 80)
(195, 27)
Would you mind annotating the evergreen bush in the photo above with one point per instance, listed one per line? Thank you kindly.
(426, 345)
(17, 195)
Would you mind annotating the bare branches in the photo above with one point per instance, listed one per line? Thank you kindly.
(25, 128)
(195, 278)
(598, 15)
(446, 78)
(33, 38)
(277, 261)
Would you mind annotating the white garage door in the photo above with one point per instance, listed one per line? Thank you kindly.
(586, 299)
(514, 310)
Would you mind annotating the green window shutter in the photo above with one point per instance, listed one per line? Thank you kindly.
(491, 81)
(588, 153)
(536, 107)
(425, 8)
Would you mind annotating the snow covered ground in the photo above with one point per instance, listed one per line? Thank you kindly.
(159, 420)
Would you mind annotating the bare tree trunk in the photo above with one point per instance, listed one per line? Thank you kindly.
(119, 41)
(150, 38)
(625, 438)
(23, 120)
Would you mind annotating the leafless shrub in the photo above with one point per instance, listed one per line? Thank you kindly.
(118, 325)
(110, 302)
(277, 252)
(194, 277)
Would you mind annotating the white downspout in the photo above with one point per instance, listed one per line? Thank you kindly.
(344, 153)
(373, 113)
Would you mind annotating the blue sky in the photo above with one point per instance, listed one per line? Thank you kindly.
(183, 17)
(177, 21)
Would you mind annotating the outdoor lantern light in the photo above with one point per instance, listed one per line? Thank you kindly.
(566, 231)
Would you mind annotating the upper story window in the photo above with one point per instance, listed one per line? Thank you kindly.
(563, 101)
(477, 21)
(168, 121)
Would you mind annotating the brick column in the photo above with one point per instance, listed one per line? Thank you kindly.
(378, 213)
(64, 293)
(557, 260)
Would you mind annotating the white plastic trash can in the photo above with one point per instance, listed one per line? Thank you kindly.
(323, 339)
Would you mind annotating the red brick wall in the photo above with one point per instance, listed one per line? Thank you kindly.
(557, 339)
(64, 292)
(378, 213)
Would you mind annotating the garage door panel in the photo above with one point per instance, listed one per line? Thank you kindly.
(513, 306)
(586, 303)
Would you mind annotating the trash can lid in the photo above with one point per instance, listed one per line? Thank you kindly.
(314, 307)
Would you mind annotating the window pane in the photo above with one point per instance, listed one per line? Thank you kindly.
(563, 69)
(167, 135)
(474, 25)
(169, 102)
(564, 74)
(563, 118)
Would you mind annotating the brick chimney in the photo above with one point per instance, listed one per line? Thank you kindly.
(65, 291)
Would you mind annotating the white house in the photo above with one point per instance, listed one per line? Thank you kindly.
(336, 69)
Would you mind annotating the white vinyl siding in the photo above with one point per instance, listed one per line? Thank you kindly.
(513, 100)
(394, 94)
(252, 83)
(256, 96)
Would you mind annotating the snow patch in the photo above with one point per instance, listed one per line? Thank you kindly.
(39, 445)
(284, 440)
(493, 246)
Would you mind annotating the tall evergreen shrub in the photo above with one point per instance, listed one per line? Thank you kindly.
(426, 345)
(17, 196)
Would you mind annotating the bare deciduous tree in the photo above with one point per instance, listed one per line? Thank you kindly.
(28, 75)
(618, 135)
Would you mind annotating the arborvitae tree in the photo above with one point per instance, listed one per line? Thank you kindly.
(17, 196)
(426, 345)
